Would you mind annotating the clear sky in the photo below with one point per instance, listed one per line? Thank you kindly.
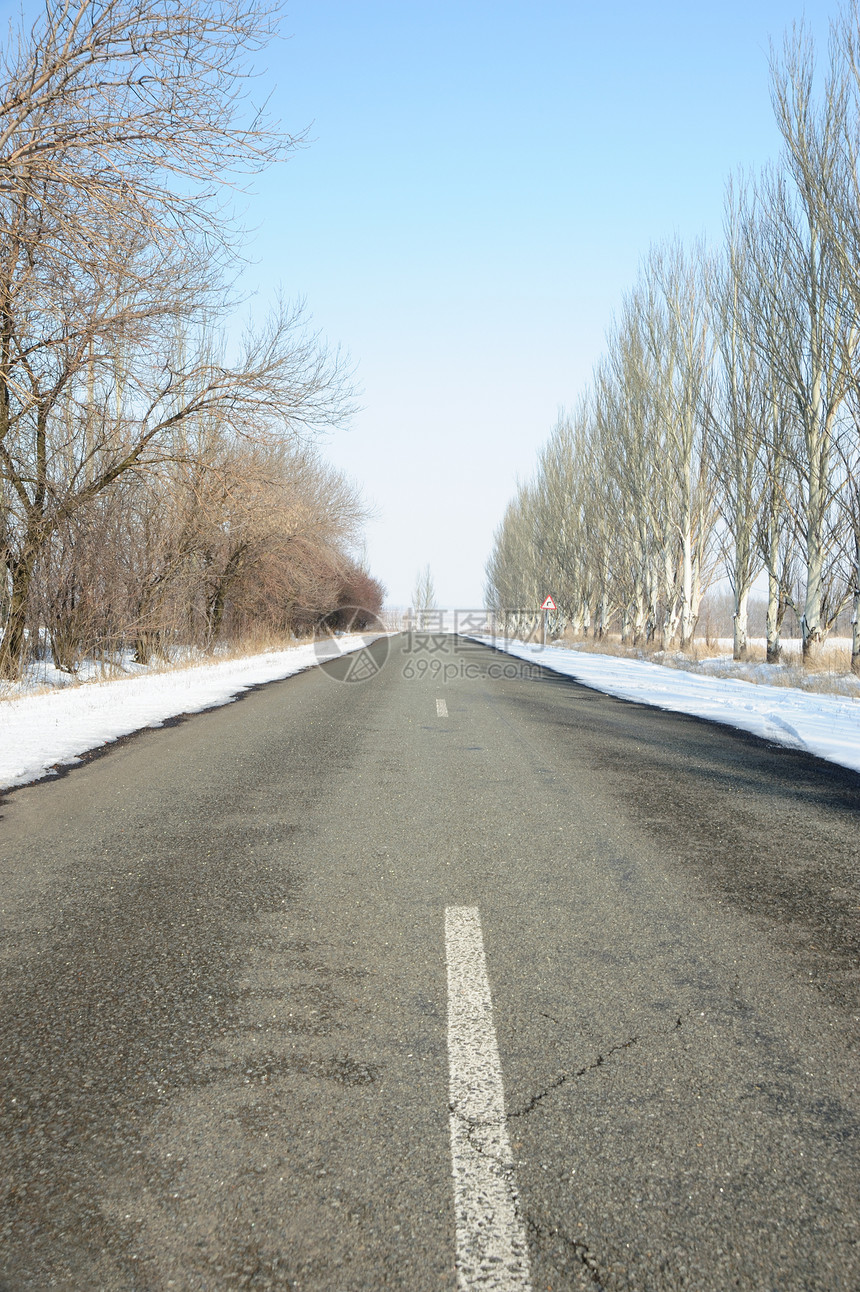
(481, 180)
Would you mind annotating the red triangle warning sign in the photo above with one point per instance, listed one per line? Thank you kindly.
(548, 604)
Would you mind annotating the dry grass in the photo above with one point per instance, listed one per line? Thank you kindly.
(258, 644)
(113, 668)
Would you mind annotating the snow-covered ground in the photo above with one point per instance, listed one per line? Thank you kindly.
(37, 732)
(825, 725)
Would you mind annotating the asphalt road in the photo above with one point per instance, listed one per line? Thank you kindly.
(224, 1030)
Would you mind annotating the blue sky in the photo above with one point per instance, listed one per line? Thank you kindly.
(480, 183)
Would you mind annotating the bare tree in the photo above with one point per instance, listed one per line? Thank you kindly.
(138, 111)
(848, 448)
(822, 138)
(563, 519)
(423, 597)
(677, 334)
(271, 502)
(725, 407)
(119, 124)
(628, 424)
(814, 294)
(737, 414)
(122, 417)
(513, 574)
(229, 538)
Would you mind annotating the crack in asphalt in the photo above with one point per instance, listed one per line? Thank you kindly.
(542, 1233)
(581, 1072)
(506, 1169)
(473, 1124)
(472, 1127)
(571, 1076)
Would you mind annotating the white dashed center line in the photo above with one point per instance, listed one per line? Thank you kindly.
(492, 1253)
(441, 709)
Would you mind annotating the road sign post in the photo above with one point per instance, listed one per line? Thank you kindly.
(546, 604)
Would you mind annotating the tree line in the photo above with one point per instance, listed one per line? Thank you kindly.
(720, 432)
(158, 481)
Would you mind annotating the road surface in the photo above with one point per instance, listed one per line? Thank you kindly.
(431, 962)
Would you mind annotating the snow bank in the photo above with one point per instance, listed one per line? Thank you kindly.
(825, 725)
(39, 731)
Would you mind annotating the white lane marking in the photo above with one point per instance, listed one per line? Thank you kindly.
(441, 709)
(492, 1253)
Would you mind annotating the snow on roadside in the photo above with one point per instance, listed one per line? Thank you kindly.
(37, 732)
(825, 725)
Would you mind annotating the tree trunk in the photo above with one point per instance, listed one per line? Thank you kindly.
(640, 613)
(775, 608)
(63, 633)
(774, 646)
(688, 621)
(671, 616)
(13, 644)
(813, 632)
(740, 648)
(600, 619)
(582, 621)
(651, 621)
(215, 615)
(855, 615)
(217, 602)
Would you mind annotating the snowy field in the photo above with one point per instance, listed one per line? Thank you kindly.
(38, 732)
(825, 725)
